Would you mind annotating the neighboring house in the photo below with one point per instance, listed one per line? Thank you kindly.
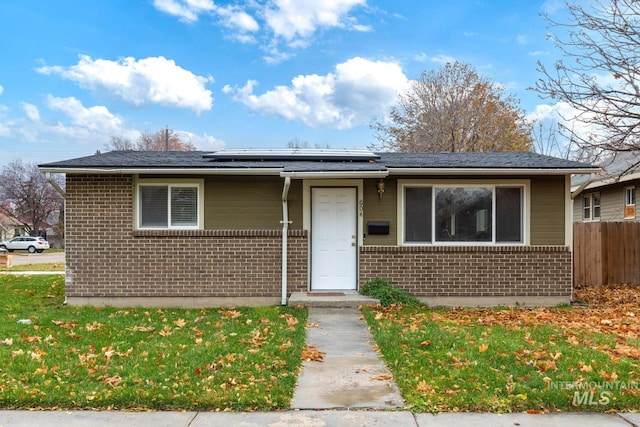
(11, 227)
(220, 228)
(610, 194)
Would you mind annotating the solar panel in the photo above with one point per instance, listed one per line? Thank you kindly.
(307, 154)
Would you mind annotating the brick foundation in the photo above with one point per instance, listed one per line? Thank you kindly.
(470, 271)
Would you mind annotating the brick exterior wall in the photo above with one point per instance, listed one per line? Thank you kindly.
(487, 271)
(107, 257)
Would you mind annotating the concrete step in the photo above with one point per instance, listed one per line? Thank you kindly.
(331, 299)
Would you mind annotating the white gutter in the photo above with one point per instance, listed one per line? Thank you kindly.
(55, 184)
(169, 171)
(335, 174)
(285, 230)
(579, 190)
(487, 171)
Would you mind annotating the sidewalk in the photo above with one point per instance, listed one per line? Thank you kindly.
(328, 418)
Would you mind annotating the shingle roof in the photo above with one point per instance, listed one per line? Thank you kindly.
(612, 168)
(190, 160)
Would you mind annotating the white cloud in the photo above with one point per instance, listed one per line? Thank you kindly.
(442, 59)
(356, 92)
(438, 59)
(204, 143)
(552, 6)
(521, 39)
(234, 17)
(5, 123)
(293, 22)
(293, 19)
(565, 114)
(31, 111)
(94, 119)
(149, 80)
(185, 10)
(1, 89)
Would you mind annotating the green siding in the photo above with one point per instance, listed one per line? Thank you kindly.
(376, 209)
(241, 202)
(547, 210)
(295, 204)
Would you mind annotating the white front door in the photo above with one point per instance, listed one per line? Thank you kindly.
(333, 238)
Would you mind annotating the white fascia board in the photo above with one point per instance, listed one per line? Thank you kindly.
(168, 171)
(487, 171)
(613, 180)
(335, 174)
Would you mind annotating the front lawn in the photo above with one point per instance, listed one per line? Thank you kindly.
(515, 359)
(50, 266)
(55, 356)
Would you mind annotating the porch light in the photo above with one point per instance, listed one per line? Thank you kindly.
(380, 188)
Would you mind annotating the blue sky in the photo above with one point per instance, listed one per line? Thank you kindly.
(243, 74)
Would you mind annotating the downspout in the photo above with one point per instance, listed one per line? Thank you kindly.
(54, 184)
(285, 230)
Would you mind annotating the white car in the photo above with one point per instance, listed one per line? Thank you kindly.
(31, 244)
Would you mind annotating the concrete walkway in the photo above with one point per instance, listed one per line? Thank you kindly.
(351, 374)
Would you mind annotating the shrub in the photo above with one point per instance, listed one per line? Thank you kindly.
(381, 289)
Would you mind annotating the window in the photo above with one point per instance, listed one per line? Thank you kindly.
(163, 205)
(469, 213)
(591, 207)
(630, 202)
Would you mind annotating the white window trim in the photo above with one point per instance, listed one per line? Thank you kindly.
(178, 182)
(591, 218)
(493, 183)
(626, 201)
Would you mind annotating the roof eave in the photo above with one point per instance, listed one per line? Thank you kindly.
(165, 171)
(334, 174)
(612, 180)
(489, 171)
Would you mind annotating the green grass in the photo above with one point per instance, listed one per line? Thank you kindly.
(142, 358)
(36, 267)
(450, 361)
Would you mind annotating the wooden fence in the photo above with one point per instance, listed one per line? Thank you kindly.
(606, 253)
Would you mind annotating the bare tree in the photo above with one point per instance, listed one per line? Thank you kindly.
(162, 140)
(28, 195)
(546, 139)
(598, 75)
(120, 144)
(454, 109)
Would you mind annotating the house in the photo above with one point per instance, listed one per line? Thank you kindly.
(606, 223)
(250, 227)
(11, 226)
(609, 194)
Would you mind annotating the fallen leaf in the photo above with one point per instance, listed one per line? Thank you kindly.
(113, 381)
(62, 324)
(382, 377)
(312, 354)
